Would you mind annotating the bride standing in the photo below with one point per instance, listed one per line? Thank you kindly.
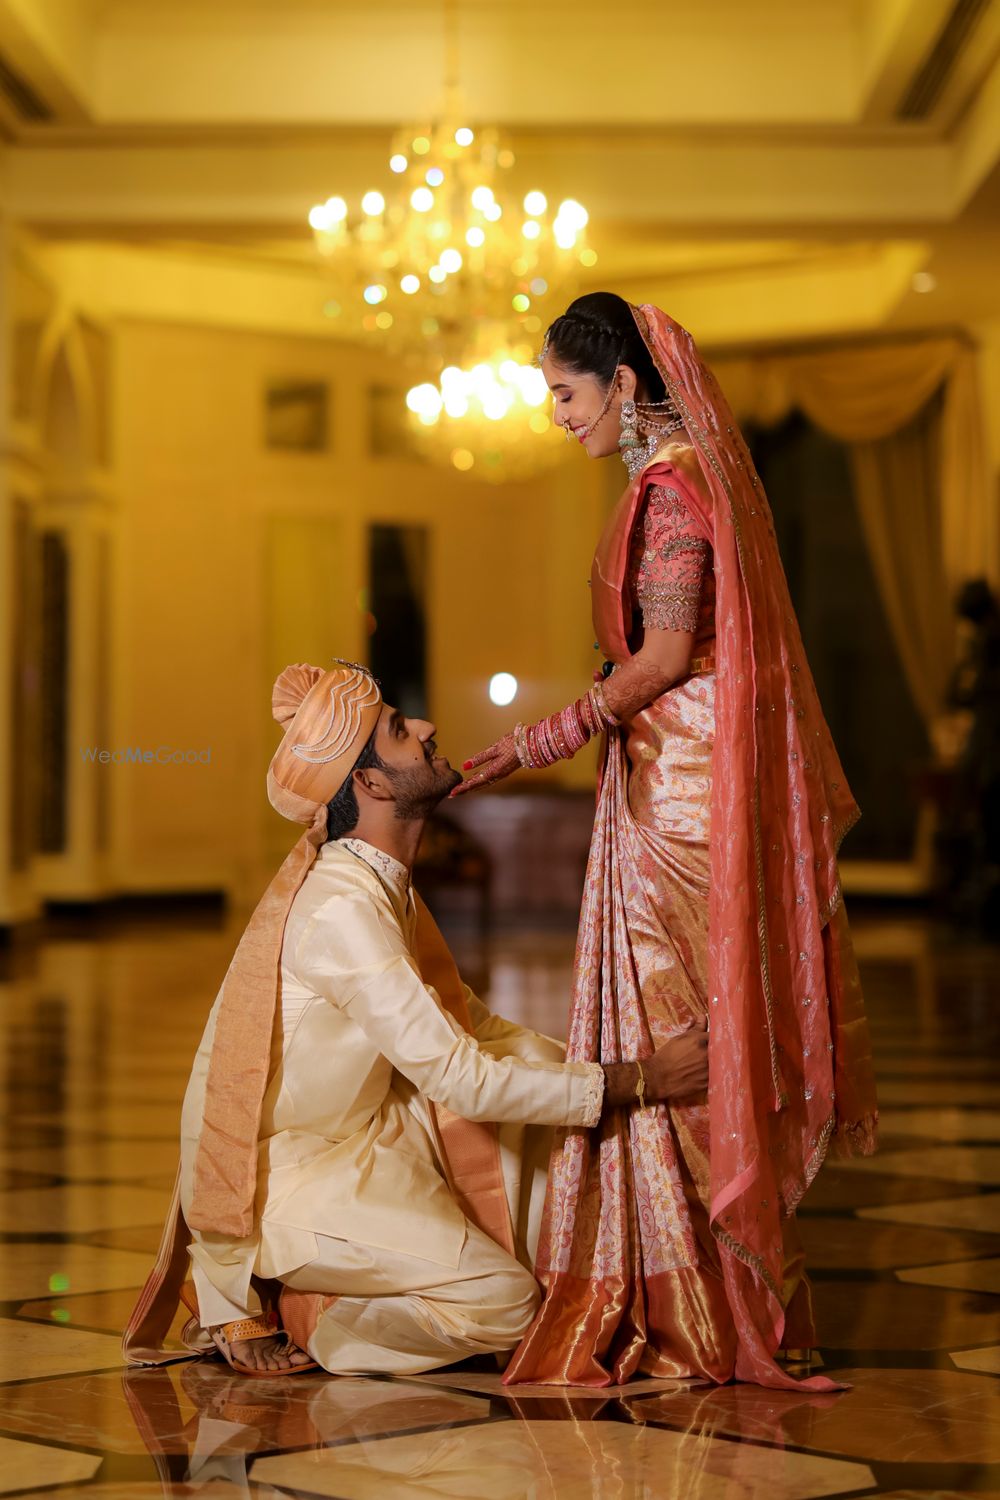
(712, 895)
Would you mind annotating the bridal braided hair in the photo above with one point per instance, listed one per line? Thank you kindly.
(595, 335)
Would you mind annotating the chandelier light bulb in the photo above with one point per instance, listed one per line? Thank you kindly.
(375, 294)
(464, 136)
(410, 284)
(422, 199)
(564, 235)
(325, 216)
(492, 212)
(451, 259)
(532, 385)
(531, 229)
(373, 202)
(573, 213)
(520, 303)
(437, 274)
(496, 405)
(535, 203)
(434, 176)
(475, 237)
(482, 197)
(398, 163)
(425, 402)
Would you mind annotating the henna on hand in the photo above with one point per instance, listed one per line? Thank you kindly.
(631, 687)
(635, 684)
(492, 764)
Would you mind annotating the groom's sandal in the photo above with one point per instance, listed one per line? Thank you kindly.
(263, 1326)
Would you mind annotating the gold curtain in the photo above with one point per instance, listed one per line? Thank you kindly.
(896, 486)
(920, 474)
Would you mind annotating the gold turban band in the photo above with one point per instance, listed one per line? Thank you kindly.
(329, 718)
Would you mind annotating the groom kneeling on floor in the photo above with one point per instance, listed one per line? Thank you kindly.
(360, 1187)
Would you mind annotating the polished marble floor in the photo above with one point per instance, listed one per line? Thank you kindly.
(96, 1032)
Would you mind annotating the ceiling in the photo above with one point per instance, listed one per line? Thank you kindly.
(769, 170)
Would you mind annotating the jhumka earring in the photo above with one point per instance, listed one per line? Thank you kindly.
(636, 451)
(661, 417)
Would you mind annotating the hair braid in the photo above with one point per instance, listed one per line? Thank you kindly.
(595, 335)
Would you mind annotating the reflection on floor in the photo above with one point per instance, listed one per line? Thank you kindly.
(97, 1036)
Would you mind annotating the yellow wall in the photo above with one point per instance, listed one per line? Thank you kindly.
(198, 496)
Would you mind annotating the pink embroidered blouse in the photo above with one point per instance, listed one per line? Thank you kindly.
(670, 568)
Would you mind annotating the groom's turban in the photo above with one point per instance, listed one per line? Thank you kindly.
(329, 718)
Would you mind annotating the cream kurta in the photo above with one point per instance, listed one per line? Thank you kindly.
(347, 1150)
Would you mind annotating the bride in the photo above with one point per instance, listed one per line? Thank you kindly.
(712, 895)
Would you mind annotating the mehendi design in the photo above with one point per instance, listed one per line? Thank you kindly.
(632, 685)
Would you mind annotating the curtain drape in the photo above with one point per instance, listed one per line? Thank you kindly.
(896, 487)
(920, 474)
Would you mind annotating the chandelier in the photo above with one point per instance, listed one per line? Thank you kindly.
(445, 246)
(488, 419)
(449, 267)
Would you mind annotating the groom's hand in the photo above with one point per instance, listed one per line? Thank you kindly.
(680, 1066)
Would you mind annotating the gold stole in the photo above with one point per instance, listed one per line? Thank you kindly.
(470, 1148)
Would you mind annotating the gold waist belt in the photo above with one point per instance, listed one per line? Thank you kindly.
(700, 664)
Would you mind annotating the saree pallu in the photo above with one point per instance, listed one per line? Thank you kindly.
(630, 1267)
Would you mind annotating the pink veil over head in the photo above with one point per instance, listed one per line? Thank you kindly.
(788, 1043)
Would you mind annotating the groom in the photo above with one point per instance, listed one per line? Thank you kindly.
(356, 1130)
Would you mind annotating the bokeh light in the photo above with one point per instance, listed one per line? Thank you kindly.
(503, 688)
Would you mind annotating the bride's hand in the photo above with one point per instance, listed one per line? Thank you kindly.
(490, 765)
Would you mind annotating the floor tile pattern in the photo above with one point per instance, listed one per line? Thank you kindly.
(96, 1038)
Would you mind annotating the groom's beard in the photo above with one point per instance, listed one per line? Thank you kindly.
(419, 792)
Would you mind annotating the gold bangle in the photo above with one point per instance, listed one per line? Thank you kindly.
(640, 1088)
